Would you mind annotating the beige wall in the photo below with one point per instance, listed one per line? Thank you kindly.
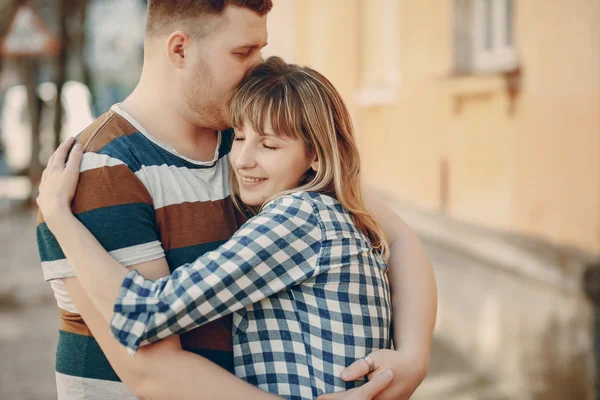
(452, 143)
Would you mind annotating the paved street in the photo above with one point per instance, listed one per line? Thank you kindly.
(28, 316)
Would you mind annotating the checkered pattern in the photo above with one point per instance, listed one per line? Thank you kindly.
(308, 295)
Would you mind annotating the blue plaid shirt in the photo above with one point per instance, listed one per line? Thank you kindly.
(308, 294)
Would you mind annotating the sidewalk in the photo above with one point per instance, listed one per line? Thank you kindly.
(28, 315)
(511, 307)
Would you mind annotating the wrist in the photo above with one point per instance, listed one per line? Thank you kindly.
(57, 217)
(418, 355)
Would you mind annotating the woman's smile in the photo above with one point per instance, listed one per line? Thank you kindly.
(250, 180)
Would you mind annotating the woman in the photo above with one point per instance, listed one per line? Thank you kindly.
(305, 277)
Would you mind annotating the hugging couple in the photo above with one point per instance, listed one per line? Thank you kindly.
(208, 237)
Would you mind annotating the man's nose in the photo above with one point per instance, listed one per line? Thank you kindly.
(257, 58)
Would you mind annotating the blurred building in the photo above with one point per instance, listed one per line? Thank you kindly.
(490, 116)
(104, 45)
(485, 116)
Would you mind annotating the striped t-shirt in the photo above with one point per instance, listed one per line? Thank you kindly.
(142, 201)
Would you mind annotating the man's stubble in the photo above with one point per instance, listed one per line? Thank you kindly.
(202, 99)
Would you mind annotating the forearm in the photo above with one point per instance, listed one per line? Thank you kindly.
(414, 296)
(412, 281)
(183, 375)
(98, 272)
(162, 370)
(239, 273)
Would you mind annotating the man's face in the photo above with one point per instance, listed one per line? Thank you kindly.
(222, 59)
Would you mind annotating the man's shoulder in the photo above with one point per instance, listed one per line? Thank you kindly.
(112, 140)
(107, 128)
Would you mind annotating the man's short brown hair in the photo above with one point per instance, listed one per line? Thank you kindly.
(164, 16)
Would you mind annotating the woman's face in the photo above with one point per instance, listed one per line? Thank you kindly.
(266, 164)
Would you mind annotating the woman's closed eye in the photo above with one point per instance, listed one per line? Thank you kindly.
(238, 135)
(269, 144)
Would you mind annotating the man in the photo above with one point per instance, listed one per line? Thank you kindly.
(153, 191)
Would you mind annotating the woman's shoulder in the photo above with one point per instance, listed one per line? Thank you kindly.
(296, 206)
(317, 208)
(291, 214)
(334, 219)
(305, 200)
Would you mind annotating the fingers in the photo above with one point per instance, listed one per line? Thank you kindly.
(360, 368)
(356, 370)
(75, 158)
(57, 160)
(51, 160)
(375, 386)
(337, 395)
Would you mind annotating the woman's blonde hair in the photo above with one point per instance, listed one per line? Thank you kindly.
(302, 104)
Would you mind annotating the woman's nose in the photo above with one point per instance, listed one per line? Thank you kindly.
(245, 158)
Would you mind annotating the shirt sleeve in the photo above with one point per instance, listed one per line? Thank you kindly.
(115, 205)
(274, 250)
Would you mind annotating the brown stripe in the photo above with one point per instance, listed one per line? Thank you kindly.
(190, 224)
(40, 218)
(105, 187)
(98, 134)
(104, 130)
(108, 186)
(73, 323)
(215, 335)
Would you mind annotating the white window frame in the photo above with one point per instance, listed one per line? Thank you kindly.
(386, 92)
(501, 56)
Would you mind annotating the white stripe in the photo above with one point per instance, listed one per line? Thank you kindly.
(138, 254)
(127, 256)
(170, 185)
(55, 271)
(63, 300)
(94, 160)
(73, 387)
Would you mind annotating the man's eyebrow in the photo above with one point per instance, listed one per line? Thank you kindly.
(251, 46)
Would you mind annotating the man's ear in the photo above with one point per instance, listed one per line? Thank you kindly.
(177, 47)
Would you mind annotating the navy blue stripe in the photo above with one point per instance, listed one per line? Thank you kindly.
(184, 255)
(47, 244)
(227, 137)
(136, 151)
(115, 227)
(79, 355)
(224, 359)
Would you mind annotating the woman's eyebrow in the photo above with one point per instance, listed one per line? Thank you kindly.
(267, 134)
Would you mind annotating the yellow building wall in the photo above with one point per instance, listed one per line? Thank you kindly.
(458, 144)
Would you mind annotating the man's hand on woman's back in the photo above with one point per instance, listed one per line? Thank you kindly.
(368, 391)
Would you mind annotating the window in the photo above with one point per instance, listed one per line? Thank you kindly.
(484, 35)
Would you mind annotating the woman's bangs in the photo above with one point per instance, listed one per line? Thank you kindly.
(276, 103)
